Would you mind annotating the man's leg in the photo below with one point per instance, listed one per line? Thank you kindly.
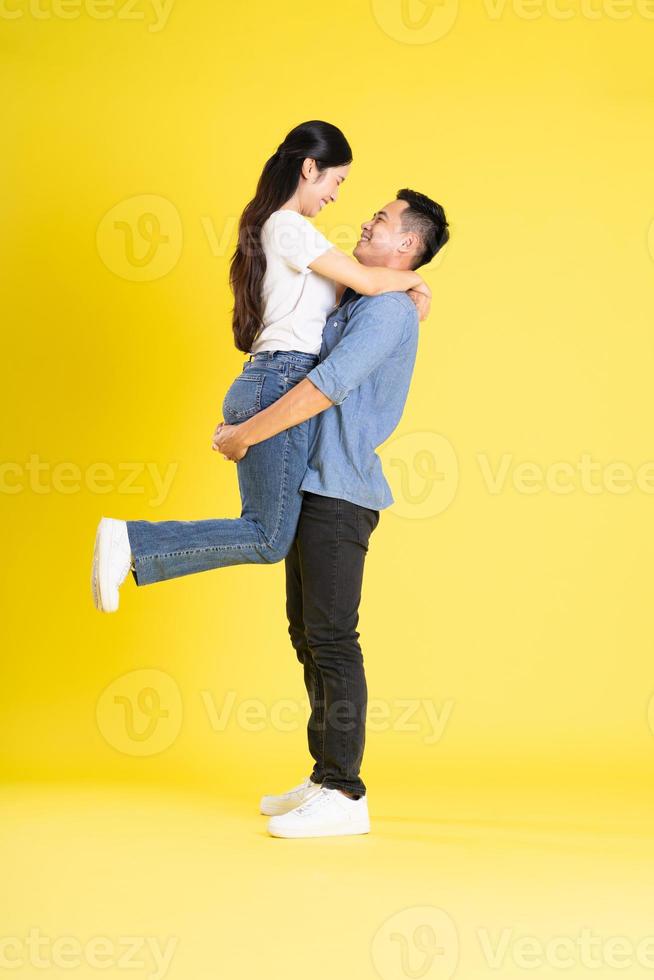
(332, 542)
(312, 678)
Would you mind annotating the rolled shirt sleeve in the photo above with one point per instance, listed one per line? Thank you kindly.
(296, 240)
(374, 331)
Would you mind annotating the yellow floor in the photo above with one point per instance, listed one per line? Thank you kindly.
(184, 885)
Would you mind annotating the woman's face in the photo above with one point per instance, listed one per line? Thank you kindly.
(318, 189)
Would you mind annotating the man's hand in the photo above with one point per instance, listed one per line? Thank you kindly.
(422, 302)
(422, 287)
(229, 441)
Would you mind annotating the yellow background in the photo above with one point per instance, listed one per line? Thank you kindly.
(523, 615)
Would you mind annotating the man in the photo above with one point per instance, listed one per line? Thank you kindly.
(368, 352)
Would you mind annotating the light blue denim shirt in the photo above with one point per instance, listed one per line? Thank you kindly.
(368, 351)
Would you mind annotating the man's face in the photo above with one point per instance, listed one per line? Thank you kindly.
(382, 238)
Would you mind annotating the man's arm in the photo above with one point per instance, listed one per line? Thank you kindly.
(373, 333)
(302, 402)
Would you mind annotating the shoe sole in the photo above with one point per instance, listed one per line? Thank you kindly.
(325, 832)
(95, 582)
(105, 542)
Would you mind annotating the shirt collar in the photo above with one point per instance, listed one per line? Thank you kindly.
(348, 294)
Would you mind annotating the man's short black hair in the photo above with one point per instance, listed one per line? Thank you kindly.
(428, 220)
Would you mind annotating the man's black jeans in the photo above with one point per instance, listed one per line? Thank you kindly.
(324, 574)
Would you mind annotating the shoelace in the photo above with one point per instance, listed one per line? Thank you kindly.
(314, 803)
(300, 788)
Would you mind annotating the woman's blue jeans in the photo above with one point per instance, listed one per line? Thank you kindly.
(269, 477)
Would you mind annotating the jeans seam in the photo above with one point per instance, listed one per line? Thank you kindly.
(198, 551)
(332, 616)
(282, 497)
(321, 701)
(271, 541)
(340, 666)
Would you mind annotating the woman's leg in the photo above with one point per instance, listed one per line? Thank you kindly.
(269, 478)
(274, 469)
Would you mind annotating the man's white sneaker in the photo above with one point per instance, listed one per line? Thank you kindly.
(112, 560)
(328, 814)
(302, 793)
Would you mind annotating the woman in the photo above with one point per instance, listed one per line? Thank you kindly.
(280, 307)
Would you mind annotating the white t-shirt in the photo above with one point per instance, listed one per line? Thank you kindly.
(296, 300)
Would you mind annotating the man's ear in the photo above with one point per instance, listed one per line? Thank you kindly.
(410, 242)
(309, 169)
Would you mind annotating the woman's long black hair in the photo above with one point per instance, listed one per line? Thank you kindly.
(279, 181)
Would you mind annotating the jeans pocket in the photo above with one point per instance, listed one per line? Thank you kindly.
(243, 398)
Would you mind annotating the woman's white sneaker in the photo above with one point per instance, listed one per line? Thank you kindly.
(328, 814)
(301, 793)
(112, 560)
